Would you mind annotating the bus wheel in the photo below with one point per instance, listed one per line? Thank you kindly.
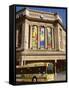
(34, 79)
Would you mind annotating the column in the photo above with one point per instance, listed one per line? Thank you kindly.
(30, 36)
(58, 40)
(62, 39)
(17, 37)
(23, 62)
(56, 37)
(45, 38)
(52, 38)
(26, 35)
(23, 28)
(55, 68)
(38, 37)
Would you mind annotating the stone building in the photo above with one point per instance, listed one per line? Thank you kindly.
(40, 37)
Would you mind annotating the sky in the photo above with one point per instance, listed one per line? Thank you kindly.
(60, 11)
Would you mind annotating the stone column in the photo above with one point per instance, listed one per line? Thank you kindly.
(52, 38)
(26, 31)
(60, 39)
(23, 28)
(45, 38)
(17, 37)
(23, 62)
(38, 37)
(55, 67)
(30, 36)
(56, 37)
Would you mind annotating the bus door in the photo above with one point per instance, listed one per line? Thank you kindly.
(50, 72)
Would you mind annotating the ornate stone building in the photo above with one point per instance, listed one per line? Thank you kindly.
(40, 37)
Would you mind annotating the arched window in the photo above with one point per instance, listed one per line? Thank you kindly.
(42, 37)
(49, 36)
(34, 36)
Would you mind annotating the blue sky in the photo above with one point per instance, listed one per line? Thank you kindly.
(60, 11)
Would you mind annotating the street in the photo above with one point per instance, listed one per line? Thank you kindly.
(60, 76)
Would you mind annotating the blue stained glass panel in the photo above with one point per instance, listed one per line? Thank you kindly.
(41, 43)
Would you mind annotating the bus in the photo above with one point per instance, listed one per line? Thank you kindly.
(36, 72)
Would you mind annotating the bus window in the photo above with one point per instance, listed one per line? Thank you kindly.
(42, 70)
(33, 70)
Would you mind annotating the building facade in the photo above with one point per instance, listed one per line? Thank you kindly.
(40, 37)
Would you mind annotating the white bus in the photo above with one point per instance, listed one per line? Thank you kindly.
(36, 72)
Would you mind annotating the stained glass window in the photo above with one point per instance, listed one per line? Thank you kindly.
(34, 37)
(49, 45)
(42, 42)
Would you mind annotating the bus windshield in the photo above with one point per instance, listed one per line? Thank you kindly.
(50, 69)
